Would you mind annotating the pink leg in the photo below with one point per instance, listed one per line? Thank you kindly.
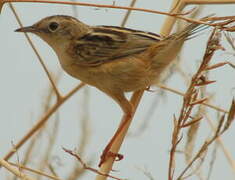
(128, 110)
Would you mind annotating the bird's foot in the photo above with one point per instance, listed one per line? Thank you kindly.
(108, 154)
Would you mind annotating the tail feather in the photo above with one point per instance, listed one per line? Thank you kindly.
(165, 51)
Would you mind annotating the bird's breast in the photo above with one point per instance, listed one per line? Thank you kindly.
(127, 74)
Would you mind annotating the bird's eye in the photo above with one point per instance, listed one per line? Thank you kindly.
(53, 26)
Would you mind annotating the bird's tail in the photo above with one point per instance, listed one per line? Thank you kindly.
(165, 51)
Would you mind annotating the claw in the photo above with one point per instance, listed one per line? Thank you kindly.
(106, 155)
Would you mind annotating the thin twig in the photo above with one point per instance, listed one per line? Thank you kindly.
(227, 154)
(182, 94)
(176, 15)
(127, 15)
(36, 52)
(209, 1)
(15, 171)
(186, 110)
(34, 171)
(106, 167)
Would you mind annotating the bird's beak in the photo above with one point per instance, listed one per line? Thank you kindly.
(31, 29)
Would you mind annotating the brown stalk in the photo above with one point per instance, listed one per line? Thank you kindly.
(127, 15)
(47, 115)
(106, 167)
(193, 122)
(15, 171)
(216, 66)
(182, 94)
(37, 53)
(209, 1)
(175, 15)
(223, 125)
(212, 161)
(227, 154)
(34, 171)
(193, 132)
(190, 96)
(76, 171)
(116, 145)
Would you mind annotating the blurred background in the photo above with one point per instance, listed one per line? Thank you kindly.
(87, 120)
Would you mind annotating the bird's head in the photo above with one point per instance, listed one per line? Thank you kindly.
(58, 29)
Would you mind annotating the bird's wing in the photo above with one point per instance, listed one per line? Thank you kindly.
(107, 43)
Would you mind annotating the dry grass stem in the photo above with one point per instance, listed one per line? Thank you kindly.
(183, 94)
(127, 15)
(106, 166)
(230, 40)
(189, 97)
(34, 171)
(192, 134)
(175, 15)
(223, 125)
(176, 7)
(213, 160)
(37, 53)
(15, 171)
(221, 144)
(135, 99)
(209, 1)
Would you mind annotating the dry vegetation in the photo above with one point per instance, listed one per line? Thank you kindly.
(192, 112)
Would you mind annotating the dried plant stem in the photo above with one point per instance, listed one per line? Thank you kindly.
(186, 110)
(135, 99)
(177, 6)
(43, 120)
(34, 171)
(60, 99)
(182, 94)
(177, 15)
(36, 52)
(106, 167)
(221, 144)
(209, 1)
(15, 171)
(127, 15)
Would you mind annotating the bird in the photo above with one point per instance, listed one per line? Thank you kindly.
(113, 59)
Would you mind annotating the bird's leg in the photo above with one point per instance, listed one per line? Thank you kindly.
(111, 150)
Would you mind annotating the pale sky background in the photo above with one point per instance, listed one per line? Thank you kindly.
(24, 85)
